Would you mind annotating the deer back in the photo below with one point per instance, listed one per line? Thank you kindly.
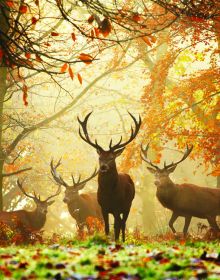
(197, 201)
(23, 219)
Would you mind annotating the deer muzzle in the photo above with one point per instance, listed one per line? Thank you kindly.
(104, 168)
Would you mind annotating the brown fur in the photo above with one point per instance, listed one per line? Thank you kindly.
(88, 207)
(115, 195)
(23, 220)
(188, 200)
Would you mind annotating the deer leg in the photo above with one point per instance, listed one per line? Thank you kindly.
(213, 224)
(106, 221)
(172, 220)
(123, 224)
(117, 226)
(186, 225)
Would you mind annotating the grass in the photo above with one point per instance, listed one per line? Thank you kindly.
(96, 258)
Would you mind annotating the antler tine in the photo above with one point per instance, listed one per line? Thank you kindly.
(53, 195)
(58, 179)
(73, 180)
(144, 156)
(86, 137)
(185, 155)
(79, 179)
(82, 183)
(134, 132)
(19, 184)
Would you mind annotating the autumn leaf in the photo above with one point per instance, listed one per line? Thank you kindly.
(92, 34)
(25, 90)
(63, 68)
(36, 2)
(91, 19)
(23, 9)
(34, 20)
(216, 172)
(96, 32)
(38, 58)
(54, 34)
(106, 27)
(147, 41)
(71, 73)
(86, 58)
(10, 4)
(136, 17)
(79, 78)
(73, 36)
(28, 55)
(153, 39)
(1, 53)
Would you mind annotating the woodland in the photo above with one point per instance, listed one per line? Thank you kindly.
(149, 72)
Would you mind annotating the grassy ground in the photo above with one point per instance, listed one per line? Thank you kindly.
(95, 258)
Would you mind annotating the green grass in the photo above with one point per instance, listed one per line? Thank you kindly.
(97, 259)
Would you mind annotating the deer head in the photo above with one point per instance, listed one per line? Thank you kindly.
(162, 174)
(72, 191)
(42, 205)
(107, 158)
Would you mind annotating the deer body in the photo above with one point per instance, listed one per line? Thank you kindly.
(120, 189)
(186, 200)
(80, 206)
(84, 206)
(190, 200)
(115, 191)
(22, 220)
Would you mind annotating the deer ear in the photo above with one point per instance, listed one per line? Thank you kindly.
(119, 152)
(50, 202)
(172, 169)
(153, 171)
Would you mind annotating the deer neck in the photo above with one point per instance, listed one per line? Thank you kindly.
(74, 204)
(109, 178)
(36, 219)
(166, 191)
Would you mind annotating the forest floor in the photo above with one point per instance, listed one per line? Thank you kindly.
(94, 258)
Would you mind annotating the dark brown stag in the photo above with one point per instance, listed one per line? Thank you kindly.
(22, 220)
(186, 200)
(80, 206)
(115, 191)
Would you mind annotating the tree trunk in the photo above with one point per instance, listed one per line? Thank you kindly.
(4, 27)
(3, 73)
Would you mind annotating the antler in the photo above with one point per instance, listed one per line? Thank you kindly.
(86, 138)
(144, 155)
(24, 192)
(186, 154)
(56, 175)
(53, 195)
(76, 184)
(134, 132)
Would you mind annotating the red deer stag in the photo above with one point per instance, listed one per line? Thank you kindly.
(80, 206)
(185, 200)
(115, 191)
(22, 220)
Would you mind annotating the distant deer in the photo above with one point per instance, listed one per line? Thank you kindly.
(22, 220)
(115, 191)
(186, 200)
(80, 206)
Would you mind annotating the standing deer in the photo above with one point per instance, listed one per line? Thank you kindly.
(115, 191)
(22, 220)
(80, 206)
(186, 200)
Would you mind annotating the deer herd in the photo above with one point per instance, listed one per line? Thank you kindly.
(116, 192)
